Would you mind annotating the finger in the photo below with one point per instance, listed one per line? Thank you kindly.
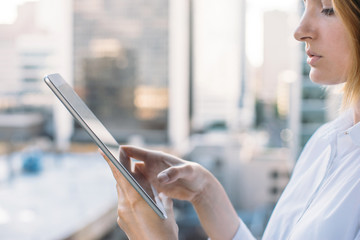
(136, 152)
(124, 159)
(150, 157)
(141, 168)
(172, 174)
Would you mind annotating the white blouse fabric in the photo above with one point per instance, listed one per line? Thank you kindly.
(322, 199)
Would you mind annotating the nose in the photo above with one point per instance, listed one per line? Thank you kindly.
(305, 30)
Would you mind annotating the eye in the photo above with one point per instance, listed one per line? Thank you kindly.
(328, 11)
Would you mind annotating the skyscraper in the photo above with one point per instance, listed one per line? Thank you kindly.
(219, 62)
(121, 64)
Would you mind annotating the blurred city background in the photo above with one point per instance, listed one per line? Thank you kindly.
(221, 83)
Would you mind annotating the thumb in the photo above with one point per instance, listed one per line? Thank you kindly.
(172, 174)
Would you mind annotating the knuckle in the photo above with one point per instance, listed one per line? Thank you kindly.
(188, 168)
(120, 211)
(195, 166)
(189, 171)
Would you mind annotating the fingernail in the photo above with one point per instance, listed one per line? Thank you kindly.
(163, 177)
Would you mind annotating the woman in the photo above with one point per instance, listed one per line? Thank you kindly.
(322, 199)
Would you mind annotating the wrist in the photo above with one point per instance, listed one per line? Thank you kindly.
(216, 213)
(206, 186)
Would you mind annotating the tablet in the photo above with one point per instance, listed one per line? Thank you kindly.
(101, 136)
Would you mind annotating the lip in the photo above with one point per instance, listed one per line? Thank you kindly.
(313, 57)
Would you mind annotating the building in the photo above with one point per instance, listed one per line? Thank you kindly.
(25, 58)
(121, 57)
(18, 69)
(218, 63)
(32, 47)
(313, 106)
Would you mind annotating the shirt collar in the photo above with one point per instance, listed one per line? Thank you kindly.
(354, 133)
(345, 124)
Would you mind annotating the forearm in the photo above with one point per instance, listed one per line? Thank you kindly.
(216, 213)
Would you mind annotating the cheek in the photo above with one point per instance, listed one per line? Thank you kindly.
(342, 51)
(341, 66)
(337, 59)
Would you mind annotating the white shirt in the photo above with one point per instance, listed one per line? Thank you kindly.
(322, 199)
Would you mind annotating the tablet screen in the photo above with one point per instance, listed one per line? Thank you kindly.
(102, 137)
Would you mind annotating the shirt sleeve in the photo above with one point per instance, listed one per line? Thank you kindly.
(243, 233)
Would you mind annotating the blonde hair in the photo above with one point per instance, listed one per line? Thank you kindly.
(349, 12)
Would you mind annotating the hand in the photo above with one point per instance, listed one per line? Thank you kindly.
(136, 218)
(189, 181)
(173, 176)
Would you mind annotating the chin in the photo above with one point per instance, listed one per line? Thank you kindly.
(324, 79)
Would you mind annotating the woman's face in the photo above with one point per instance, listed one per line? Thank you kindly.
(327, 42)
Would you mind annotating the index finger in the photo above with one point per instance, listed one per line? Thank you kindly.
(151, 158)
(136, 152)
